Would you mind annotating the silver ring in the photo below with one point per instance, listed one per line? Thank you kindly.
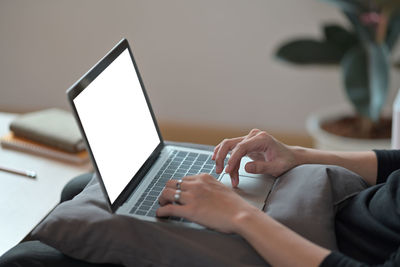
(178, 184)
(177, 196)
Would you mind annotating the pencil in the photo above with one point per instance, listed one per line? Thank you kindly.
(30, 174)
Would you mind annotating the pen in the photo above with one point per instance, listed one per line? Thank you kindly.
(30, 174)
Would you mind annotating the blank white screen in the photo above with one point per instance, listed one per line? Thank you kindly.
(118, 124)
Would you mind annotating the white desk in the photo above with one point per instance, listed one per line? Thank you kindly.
(25, 201)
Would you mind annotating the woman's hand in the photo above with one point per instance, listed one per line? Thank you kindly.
(269, 155)
(206, 201)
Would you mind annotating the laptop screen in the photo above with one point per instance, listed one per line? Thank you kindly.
(117, 123)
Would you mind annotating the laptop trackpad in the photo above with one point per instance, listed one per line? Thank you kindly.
(254, 189)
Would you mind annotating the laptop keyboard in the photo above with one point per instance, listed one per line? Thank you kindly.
(178, 165)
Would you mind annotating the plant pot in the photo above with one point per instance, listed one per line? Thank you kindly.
(327, 141)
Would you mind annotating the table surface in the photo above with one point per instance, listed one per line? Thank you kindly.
(25, 201)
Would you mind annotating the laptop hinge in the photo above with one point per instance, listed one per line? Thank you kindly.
(135, 181)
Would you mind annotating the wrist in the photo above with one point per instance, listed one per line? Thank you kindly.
(300, 154)
(242, 219)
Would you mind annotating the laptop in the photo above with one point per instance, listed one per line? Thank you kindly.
(129, 155)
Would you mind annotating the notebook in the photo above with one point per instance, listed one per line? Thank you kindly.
(52, 127)
(11, 141)
(132, 162)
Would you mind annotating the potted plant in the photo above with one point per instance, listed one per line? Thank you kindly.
(364, 53)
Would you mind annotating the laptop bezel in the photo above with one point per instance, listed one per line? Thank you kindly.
(80, 86)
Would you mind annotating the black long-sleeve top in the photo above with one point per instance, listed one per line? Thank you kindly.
(368, 227)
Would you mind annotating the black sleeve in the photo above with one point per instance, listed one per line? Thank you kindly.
(337, 259)
(388, 162)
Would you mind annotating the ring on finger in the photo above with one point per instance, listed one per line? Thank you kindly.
(178, 184)
(177, 196)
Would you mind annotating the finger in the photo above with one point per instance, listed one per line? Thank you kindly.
(232, 163)
(216, 149)
(237, 154)
(185, 183)
(247, 146)
(226, 146)
(223, 149)
(234, 174)
(257, 167)
(173, 183)
(168, 196)
(190, 178)
(252, 133)
(172, 210)
(262, 167)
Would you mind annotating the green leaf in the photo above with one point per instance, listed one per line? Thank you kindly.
(387, 3)
(366, 76)
(308, 51)
(379, 68)
(340, 37)
(348, 5)
(355, 79)
(393, 30)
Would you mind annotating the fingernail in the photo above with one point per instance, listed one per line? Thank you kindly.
(236, 182)
(218, 169)
(227, 168)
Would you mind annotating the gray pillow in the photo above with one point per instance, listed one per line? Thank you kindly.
(304, 199)
(84, 229)
(307, 198)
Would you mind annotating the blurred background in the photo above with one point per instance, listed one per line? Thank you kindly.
(208, 66)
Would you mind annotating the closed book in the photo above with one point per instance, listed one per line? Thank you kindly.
(11, 141)
(53, 127)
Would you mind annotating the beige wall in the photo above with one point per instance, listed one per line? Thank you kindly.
(203, 62)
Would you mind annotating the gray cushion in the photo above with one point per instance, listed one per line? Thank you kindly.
(304, 199)
(307, 198)
(83, 228)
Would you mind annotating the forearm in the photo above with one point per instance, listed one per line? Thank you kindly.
(276, 243)
(363, 163)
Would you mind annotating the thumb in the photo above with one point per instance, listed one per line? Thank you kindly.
(258, 167)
